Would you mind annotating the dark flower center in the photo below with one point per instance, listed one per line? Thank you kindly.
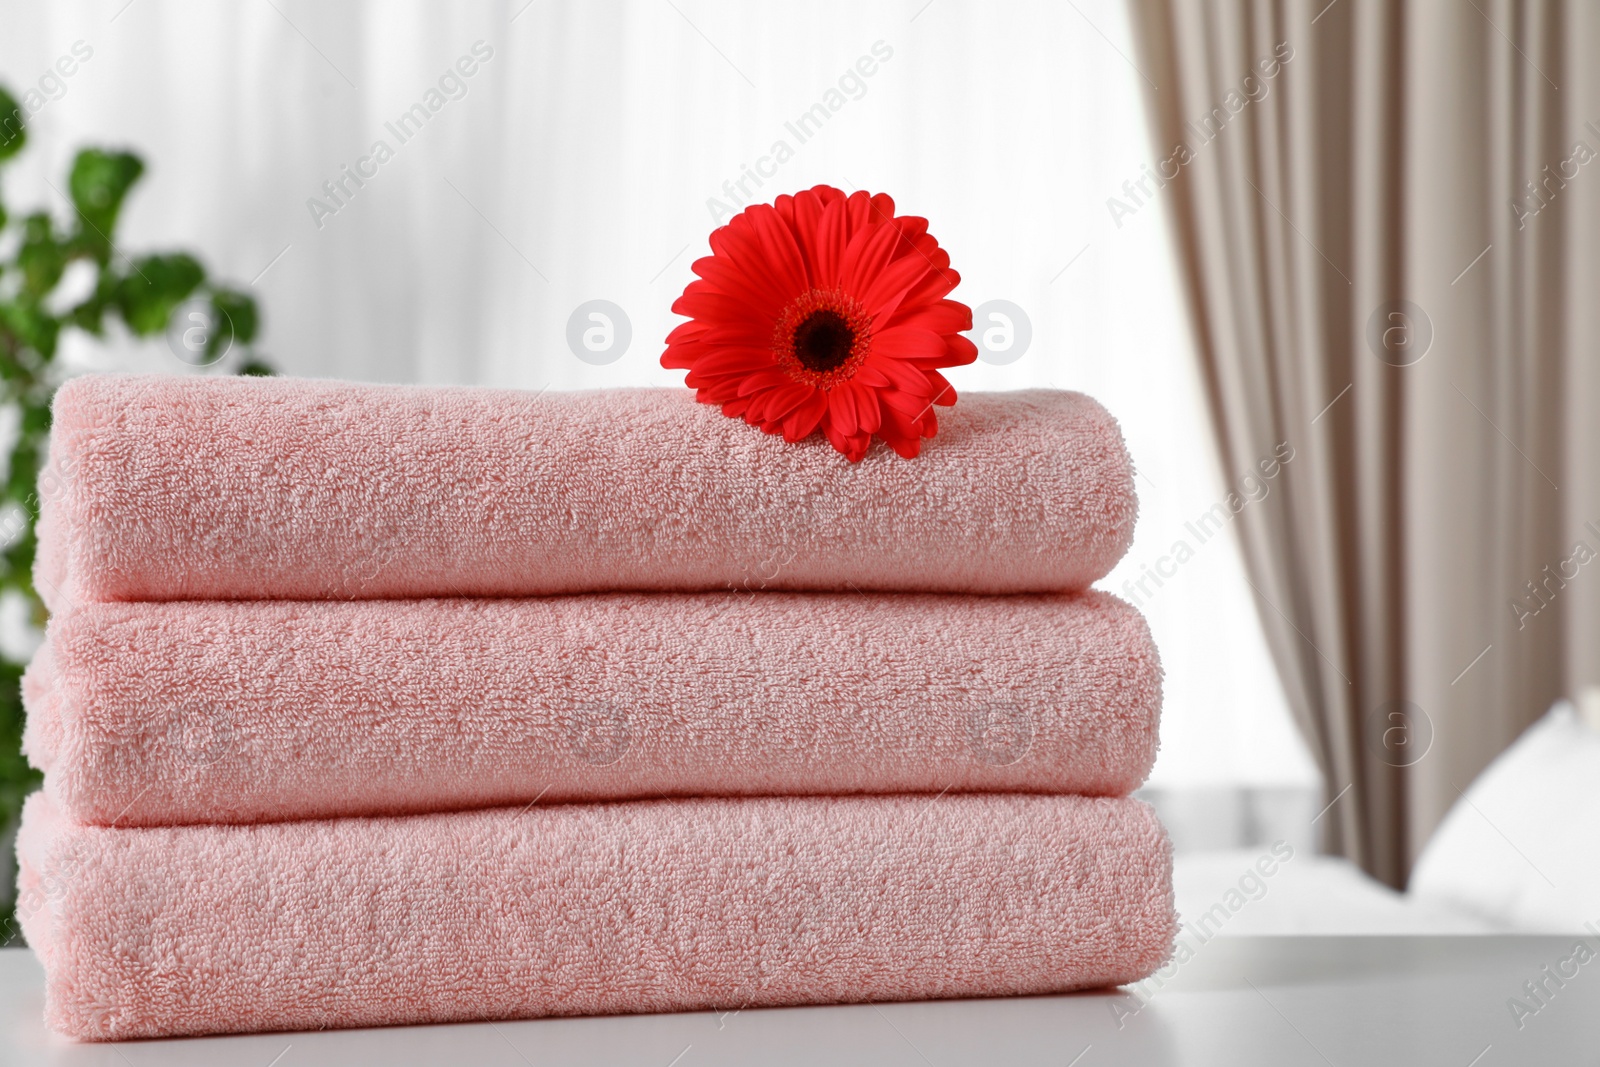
(823, 341)
(822, 338)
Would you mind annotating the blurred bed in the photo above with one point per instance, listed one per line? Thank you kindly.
(1517, 853)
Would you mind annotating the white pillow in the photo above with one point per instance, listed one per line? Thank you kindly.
(1519, 847)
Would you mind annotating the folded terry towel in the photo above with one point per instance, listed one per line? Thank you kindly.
(198, 488)
(588, 909)
(217, 711)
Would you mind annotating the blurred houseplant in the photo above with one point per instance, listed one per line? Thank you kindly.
(143, 292)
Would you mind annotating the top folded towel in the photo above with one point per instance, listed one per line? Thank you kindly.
(162, 488)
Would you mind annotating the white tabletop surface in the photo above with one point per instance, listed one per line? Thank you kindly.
(1240, 1001)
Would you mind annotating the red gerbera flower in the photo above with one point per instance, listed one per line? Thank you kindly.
(823, 311)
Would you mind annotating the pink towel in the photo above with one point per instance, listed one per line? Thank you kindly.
(215, 711)
(588, 909)
(198, 488)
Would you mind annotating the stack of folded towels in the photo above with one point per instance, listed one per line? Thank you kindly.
(365, 704)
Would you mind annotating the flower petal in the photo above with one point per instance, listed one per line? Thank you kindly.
(745, 249)
(882, 207)
(902, 434)
(902, 375)
(732, 360)
(831, 239)
(934, 285)
(745, 334)
(782, 255)
(784, 206)
(685, 331)
(962, 350)
(854, 446)
(761, 381)
(804, 218)
(842, 409)
(941, 316)
(944, 394)
(868, 417)
(858, 212)
(712, 305)
(788, 398)
(802, 422)
(865, 257)
(726, 276)
(872, 376)
(886, 292)
(907, 342)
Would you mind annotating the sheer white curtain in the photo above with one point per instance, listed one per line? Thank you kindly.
(576, 163)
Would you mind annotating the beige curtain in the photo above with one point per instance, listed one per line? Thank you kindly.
(1375, 282)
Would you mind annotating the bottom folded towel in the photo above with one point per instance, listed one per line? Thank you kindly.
(588, 909)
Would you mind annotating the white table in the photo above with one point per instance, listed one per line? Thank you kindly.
(1240, 1001)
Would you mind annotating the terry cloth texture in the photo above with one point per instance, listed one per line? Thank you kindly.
(171, 488)
(588, 909)
(241, 711)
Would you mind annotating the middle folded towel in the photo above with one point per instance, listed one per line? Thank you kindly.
(182, 712)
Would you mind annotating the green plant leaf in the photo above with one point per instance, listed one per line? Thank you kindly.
(34, 328)
(36, 419)
(88, 315)
(41, 257)
(17, 779)
(149, 294)
(16, 565)
(240, 308)
(99, 182)
(236, 321)
(13, 133)
(256, 368)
